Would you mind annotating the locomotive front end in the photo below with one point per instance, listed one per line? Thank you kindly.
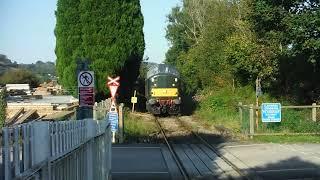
(162, 89)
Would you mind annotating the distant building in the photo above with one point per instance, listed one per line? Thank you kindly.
(51, 88)
(19, 88)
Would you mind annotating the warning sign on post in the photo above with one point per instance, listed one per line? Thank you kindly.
(86, 79)
(134, 100)
(113, 117)
(86, 88)
(271, 112)
(113, 84)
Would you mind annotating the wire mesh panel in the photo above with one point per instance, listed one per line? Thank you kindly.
(245, 121)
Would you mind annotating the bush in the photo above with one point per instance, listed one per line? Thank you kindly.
(3, 105)
(19, 76)
(219, 106)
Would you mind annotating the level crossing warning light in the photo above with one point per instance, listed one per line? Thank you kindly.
(113, 84)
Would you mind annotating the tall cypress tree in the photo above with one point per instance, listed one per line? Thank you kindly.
(68, 41)
(107, 32)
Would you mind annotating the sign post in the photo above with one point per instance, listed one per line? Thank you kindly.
(113, 84)
(113, 117)
(86, 88)
(86, 93)
(258, 93)
(271, 112)
(134, 99)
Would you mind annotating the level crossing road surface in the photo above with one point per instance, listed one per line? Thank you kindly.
(257, 161)
(276, 161)
(143, 162)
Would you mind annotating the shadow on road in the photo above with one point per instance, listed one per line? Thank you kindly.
(293, 167)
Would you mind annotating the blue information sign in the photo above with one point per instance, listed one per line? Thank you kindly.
(113, 118)
(271, 112)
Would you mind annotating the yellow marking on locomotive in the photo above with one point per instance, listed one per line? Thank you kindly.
(164, 92)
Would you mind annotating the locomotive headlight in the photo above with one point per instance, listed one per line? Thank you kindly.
(173, 84)
(177, 101)
(155, 85)
(176, 79)
(152, 101)
(152, 79)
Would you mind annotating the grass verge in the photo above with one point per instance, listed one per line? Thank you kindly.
(139, 129)
(219, 108)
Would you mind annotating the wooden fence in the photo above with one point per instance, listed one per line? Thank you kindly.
(250, 118)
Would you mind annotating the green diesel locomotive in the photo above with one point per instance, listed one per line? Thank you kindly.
(162, 90)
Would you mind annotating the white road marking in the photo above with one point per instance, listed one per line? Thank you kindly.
(280, 170)
(244, 145)
(136, 147)
(142, 172)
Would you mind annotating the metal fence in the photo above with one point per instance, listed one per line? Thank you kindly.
(57, 150)
(295, 120)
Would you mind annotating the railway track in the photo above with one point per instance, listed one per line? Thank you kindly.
(201, 142)
(173, 153)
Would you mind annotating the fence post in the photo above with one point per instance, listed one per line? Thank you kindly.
(90, 133)
(6, 154)
(40, 142)
(121, 123)
(240, 111)
(95, 109)
(314, 112)
(251, 120)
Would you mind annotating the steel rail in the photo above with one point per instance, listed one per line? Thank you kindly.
(173, 153)
(216, 151)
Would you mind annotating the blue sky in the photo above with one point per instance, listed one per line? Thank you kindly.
(27, 29)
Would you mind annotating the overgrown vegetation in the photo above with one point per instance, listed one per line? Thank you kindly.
(107, 32)
(41, 71)
(20, 76)
(215, 42)
(219, 107)
(222, 47)
(3, 105)
(139, 129)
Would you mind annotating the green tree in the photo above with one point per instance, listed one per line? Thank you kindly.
(249, 59)
(108, 33)
(68, 33)
(291, 28)
(45, 70)
(198, 32)
(19, 76)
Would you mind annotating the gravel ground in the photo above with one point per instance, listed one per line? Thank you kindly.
(175, 129)
(176, 132)
(216, 135)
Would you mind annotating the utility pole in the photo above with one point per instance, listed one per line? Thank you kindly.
(258, 93)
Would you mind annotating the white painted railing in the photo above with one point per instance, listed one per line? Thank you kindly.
(79, 150)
